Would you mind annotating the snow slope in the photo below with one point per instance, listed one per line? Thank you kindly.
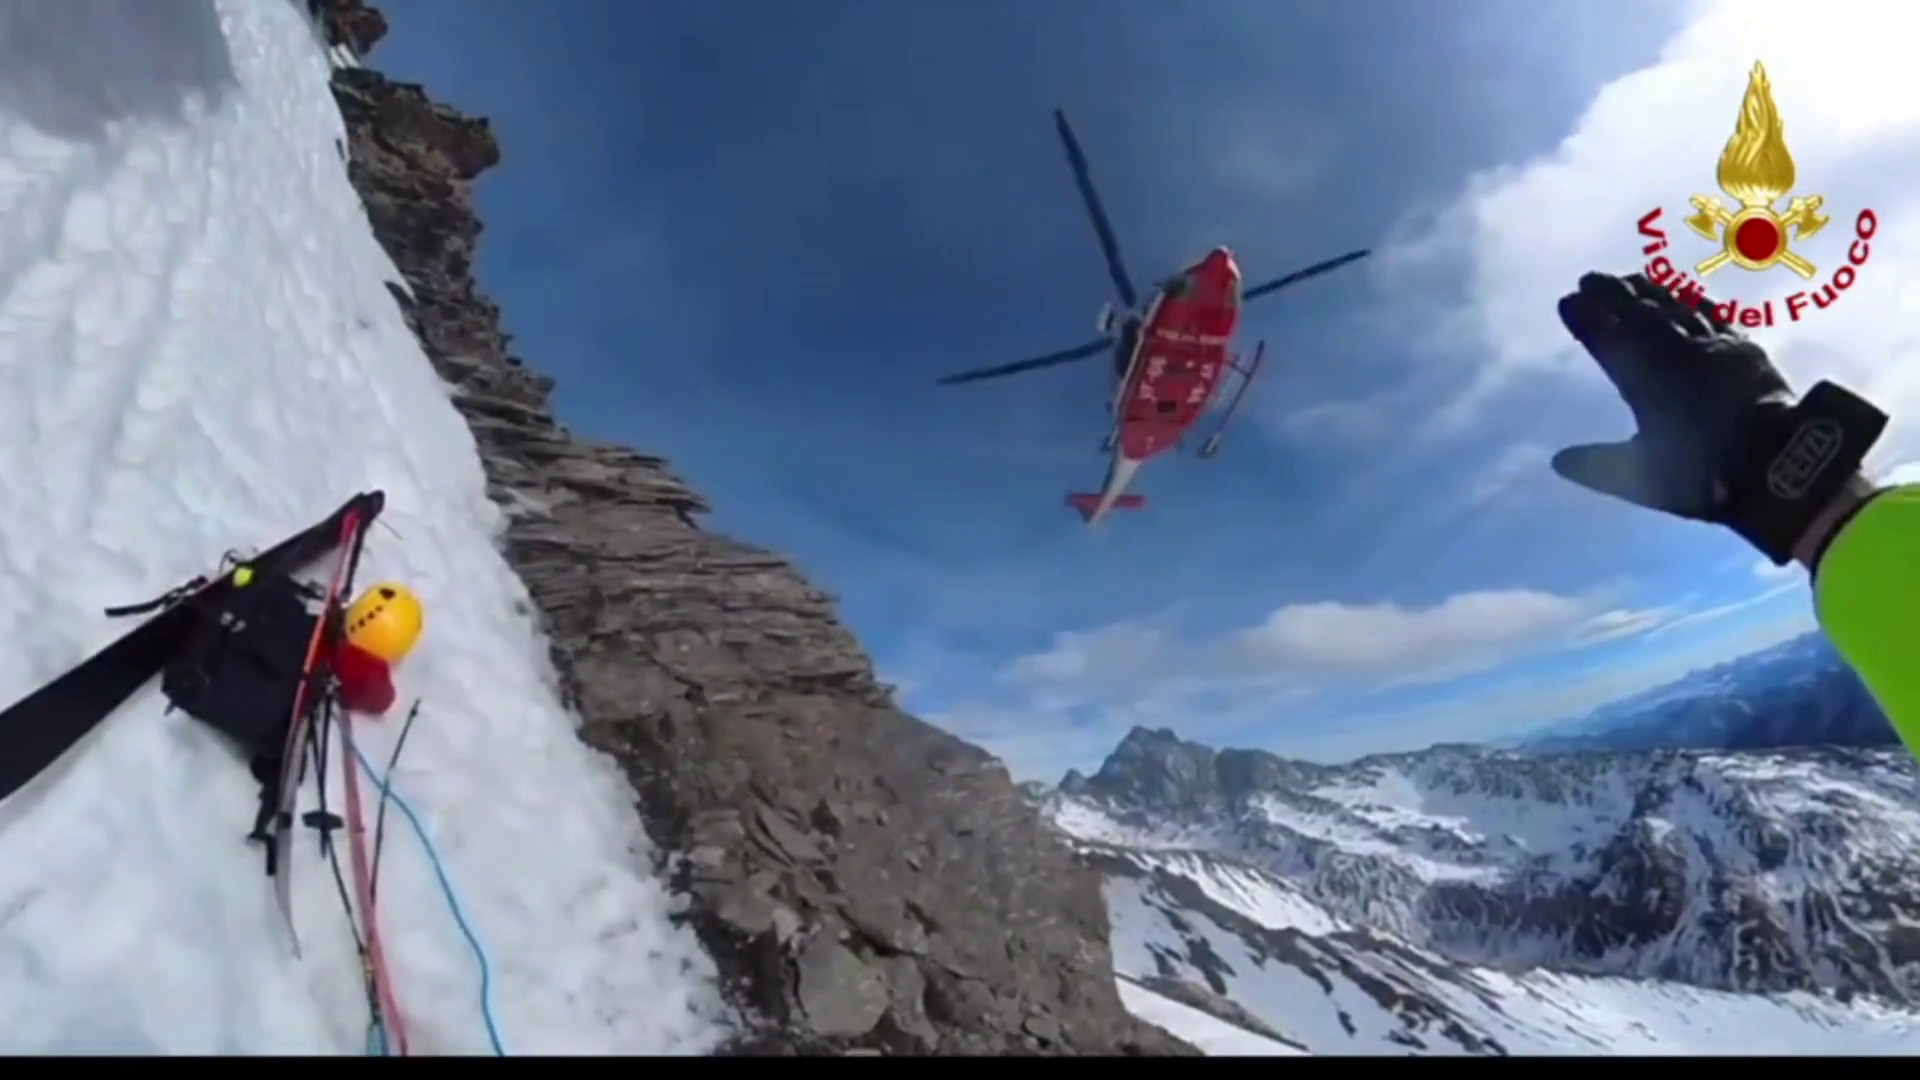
(197, 353)
(1333, 987)
(1212, 1035)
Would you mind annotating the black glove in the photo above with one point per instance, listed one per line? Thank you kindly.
(1720, 437)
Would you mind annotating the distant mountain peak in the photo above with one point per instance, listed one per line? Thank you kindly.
(1153, 767)
(1797, 693)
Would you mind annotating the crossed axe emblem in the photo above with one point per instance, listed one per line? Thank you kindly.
(1755, 238)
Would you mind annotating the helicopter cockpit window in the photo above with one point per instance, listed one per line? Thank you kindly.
(1179, 286)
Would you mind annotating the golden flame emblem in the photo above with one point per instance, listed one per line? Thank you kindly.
(1756, 168)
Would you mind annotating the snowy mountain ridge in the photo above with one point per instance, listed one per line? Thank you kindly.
(1435, 898)
(1797, 693)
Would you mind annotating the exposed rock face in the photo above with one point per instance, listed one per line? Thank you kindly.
(865, 881)
(353, 25)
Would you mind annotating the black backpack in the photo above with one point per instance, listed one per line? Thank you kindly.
(242, 667)
(240, 674)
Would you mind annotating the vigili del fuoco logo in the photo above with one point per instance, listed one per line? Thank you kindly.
(1757, 170)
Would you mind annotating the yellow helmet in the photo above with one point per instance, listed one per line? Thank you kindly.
(386, 622)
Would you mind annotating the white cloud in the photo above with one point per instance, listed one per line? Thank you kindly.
(1516, 463)
(1843, 78)
(1068, 705)
(1904, 473)
(1389, 643)
(1309, 646)
(1272, 151)
(1044, 733)
(1033, 743)
(1531, 701)
(1621, 623)
(1695, 618)
(1337, 422)
(1113, 661)
(1387, 639)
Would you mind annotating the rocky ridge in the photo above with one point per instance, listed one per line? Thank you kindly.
(865, 881)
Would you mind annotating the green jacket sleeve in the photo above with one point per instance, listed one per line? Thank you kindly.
(1867, 596)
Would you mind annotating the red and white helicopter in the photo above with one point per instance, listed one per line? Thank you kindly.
(1170, 355)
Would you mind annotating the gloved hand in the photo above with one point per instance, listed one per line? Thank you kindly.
(1721, 438)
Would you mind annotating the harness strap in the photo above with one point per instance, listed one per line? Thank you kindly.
(266, 770)
(164, 600)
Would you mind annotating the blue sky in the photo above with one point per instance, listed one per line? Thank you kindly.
(749, 236)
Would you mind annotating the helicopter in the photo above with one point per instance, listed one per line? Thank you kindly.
(1170, 352)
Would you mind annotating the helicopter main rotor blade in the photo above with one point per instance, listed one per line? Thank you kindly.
(1083, 179)
(1315, 270)
(1064, 356)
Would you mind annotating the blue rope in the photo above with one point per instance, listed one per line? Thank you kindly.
(453, 905)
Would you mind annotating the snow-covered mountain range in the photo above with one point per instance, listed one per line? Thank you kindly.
(1481, 901)
(1797, 693)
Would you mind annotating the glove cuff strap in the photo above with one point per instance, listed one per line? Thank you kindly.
(1797, 463)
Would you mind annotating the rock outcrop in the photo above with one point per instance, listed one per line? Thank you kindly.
(865, 881)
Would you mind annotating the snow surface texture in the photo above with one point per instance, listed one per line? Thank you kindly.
(1450, 902)
(1212, 1035)
(1338, 989)
(198, 353)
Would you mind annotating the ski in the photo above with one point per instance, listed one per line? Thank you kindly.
(387, 1005)
(40, 728)
(308, 700)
